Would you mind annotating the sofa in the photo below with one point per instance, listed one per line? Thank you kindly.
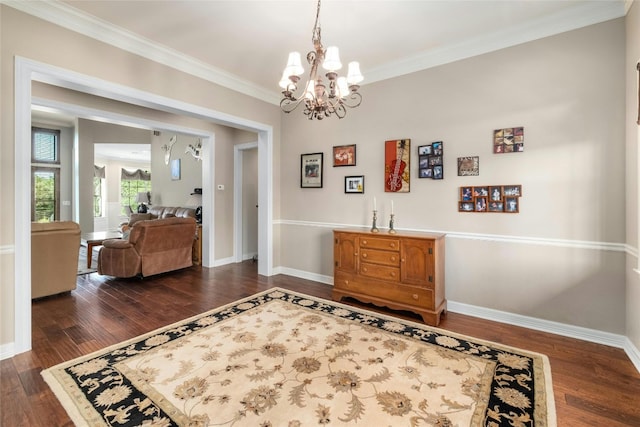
(55, 249)
(160, 212)
(153, 246)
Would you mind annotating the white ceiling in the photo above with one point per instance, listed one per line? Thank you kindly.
(244, 44)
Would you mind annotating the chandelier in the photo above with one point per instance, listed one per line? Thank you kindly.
(318, 100)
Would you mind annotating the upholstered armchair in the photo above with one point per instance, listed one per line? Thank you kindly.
(153, 247)
(55, 248)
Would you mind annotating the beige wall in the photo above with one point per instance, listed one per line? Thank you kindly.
(165, 190)
(566, 91)
(632, 159)
(90, 133)
(28, 37)
(559, 259)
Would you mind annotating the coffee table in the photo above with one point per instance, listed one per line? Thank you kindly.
(96, 238)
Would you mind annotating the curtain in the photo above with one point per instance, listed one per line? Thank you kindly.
(98, 172)
(137, 174)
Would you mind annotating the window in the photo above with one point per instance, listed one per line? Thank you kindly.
(45, 175)
(45, 146)
(132, 183)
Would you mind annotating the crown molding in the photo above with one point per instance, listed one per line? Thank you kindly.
(586, 14)
(58, 13)
(72, 19)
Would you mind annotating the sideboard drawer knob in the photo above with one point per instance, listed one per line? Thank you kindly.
(364, 269)
(364, 255)
(393, 245)
(393, 258)
(415, 296)
(393, 274)
(346, 282)
(364, 242)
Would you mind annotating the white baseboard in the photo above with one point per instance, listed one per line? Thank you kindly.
(252, 255)
(577, 332)
(223, 261)
(633, 353)
(304, 275)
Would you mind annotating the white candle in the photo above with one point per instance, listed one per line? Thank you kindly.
(392, 207)
(374, 203)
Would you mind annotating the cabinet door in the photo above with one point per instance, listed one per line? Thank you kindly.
(417, 258)
(345, 252)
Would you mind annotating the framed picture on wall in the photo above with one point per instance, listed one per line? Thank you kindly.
(344, 155)
(354, 184)
(175, 170)
(397, 154)
(311, 170)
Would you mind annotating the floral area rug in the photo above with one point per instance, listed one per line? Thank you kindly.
(280, 358)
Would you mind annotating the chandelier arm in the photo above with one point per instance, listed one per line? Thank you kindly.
(289, 104)
(353, 100)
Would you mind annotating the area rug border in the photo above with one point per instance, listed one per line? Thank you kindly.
(51, 374)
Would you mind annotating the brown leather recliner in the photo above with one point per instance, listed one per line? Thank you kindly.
(55, 248)
(154, 247)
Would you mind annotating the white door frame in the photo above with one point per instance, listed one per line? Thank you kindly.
(28, 71)
(238, 174)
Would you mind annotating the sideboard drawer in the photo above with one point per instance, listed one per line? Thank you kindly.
(380, 257)
(378, 243)
(380, 272)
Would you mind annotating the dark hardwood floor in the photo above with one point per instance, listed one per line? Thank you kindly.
(594, 385)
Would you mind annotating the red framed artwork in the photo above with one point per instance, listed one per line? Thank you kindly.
(397, 155)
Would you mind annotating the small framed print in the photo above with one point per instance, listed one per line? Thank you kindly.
(512, 190)
(466, 194)
(481, 204)
(426, 173)
(469, 166)
(311, 170)
(465, 206)
(354, 184)
(480, 191)
(424, 150)
(438, 172)
(496, 207)
(175, 170)
(344, 155)
(511, 205)
(495, 193)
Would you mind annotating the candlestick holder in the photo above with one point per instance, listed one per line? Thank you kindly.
(391, 230)
(374, 228)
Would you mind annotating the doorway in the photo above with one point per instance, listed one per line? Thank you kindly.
(245, 197)
(28, 71)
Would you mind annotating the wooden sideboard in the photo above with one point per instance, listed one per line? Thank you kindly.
(403, 271)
